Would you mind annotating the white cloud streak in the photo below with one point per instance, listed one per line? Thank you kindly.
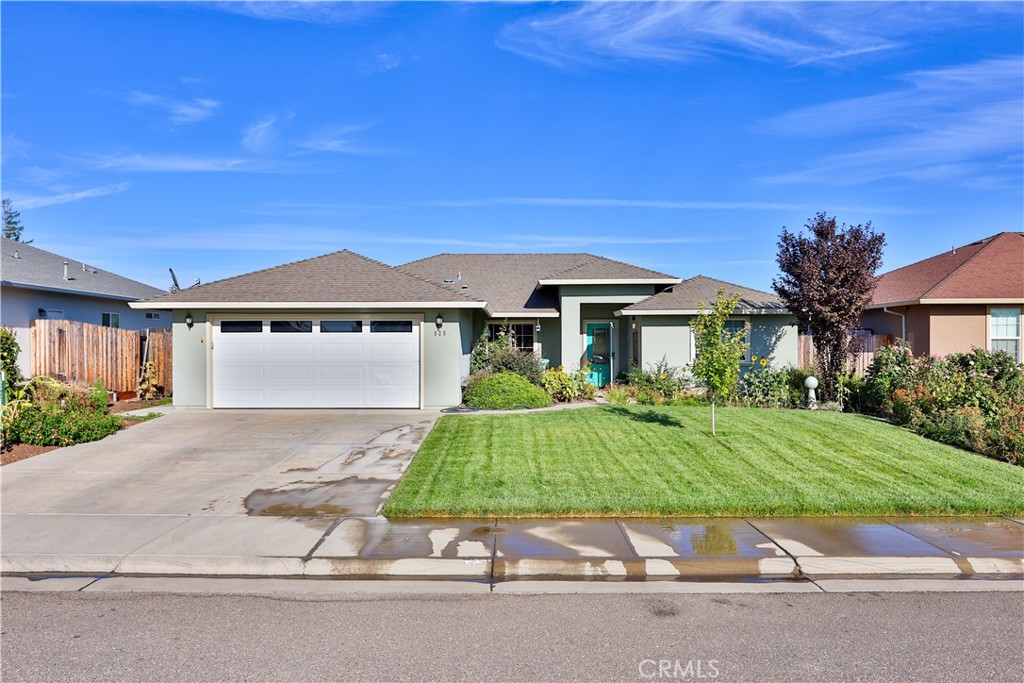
(170, 163)
(614, 203)
(177, 111)
(68, 197)
(258, 137)
(310, 12)
(602, 34)
(950, 123)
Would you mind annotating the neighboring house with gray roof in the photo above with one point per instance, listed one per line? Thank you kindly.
(343, 330)
(35, 283)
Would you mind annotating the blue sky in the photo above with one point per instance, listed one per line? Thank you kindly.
(220, 138)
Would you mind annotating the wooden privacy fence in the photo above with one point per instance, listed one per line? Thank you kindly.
(860, 362)
(81, 353)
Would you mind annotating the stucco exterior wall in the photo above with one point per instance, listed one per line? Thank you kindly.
(601, 301)
(957, 328)
(668, 337)
(880, 322)
(19, 307)
(445, 353)
(919, 329)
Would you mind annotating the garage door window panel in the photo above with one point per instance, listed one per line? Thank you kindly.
(341, 326)
(390, 326)
(291, 326)
(241, 326)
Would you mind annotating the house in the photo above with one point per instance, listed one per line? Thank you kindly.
(40, 284)
(968, 297)
(343, 330)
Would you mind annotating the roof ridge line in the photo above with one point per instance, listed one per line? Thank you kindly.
(449, 290)
(732, 284)
(263, 270)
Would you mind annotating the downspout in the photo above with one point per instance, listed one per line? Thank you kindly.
(903, 321)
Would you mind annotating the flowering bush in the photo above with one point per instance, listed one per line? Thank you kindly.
(964, 399)
(565, 387)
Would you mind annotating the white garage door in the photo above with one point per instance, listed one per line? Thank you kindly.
(357, 362)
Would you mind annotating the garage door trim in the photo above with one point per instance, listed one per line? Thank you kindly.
(322, 314)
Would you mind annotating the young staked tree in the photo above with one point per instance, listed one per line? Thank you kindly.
(12, 221)
(827, 280)
(719, 352)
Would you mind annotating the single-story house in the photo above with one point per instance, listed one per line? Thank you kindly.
(35, 283)
(968, 297)
(343, 330)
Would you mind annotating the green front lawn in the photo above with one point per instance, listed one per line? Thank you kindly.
(645, 461)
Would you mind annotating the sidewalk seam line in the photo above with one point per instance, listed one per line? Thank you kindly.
(799, 569)
(147, 542)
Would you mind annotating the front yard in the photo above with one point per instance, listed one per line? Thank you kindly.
(654, 461)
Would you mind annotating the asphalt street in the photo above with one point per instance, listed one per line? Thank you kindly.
(69, 636)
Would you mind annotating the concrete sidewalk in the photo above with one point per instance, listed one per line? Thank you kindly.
(495, 550)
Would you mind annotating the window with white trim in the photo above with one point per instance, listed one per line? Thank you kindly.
(1004, 331)
(152, 315)
(522, 334)
(110, 320)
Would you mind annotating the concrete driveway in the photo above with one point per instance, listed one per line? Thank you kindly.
(283, 476)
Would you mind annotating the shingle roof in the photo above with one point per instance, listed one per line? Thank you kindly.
(508, 282)
(340, 277)
(689, 294)
(992, 268)
(36, 268)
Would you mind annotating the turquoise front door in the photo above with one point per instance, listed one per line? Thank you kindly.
(599, 354)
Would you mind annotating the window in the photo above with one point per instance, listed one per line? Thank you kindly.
(152, 315)
(111, 320)
(390, 326)
(288, 326)
(341, 326)
(240, 326)
(734, 326)
(1004, 331)
(521, 333)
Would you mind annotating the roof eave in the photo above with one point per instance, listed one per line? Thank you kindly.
(525, 314)
(695, 311)
(74, 292)
(304, 305)
(610, 281)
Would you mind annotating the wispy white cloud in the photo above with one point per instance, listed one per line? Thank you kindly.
(310, 11)
(614, 203)
(338, 140)
(13, 147)
(178, 111)
(170, 163)
(258, 136)
(792, 33)
(946, 123)
(67, 197)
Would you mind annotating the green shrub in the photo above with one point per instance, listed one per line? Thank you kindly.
(660, 378)
(55, 414)
(9, 350)
(501, 355)
(505, 391)
(55, 426)
(565, 387)
(765, 387)
(618, 394)
(962, 427)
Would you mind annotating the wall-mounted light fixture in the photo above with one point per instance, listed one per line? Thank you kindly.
(439, 321)
(537, 328)
(42, 312)
(189, 320)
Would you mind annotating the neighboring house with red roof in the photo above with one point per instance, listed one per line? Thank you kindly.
(971, 296)
(342, 330)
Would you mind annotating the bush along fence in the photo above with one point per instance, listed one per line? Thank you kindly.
(82, 353)
(861, 360)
